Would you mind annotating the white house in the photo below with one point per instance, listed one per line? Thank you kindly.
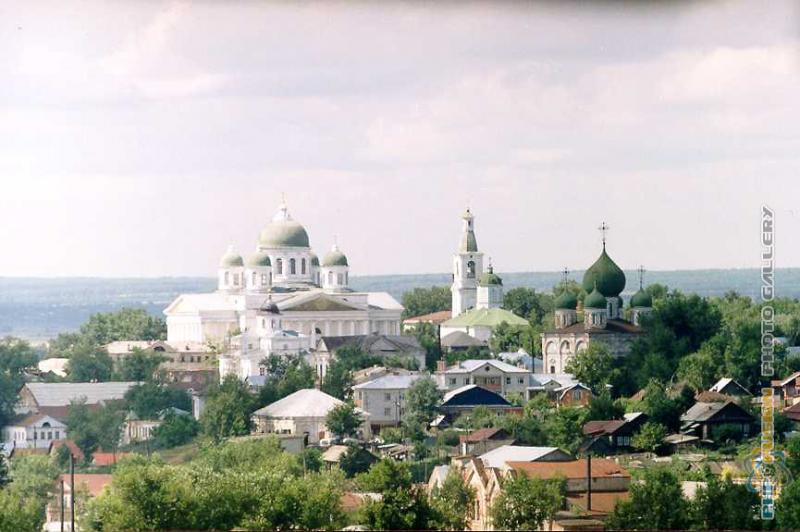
(302, 413)
(384, 398)
(494, 375)
(34, 431)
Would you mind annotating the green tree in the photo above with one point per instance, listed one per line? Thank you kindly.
(723, 505)
(421, 301)
(285, 375)
(527, 303)
(227, 411)
(140, 365)
(82, 429)
(176, 429)
(16, 356)
(401, 507)
(564, 427)
(422, 403)
(604, 407)
(451, 502)
(126, 324)
(655, 504)
(650, 437)
(594, 366)
(428, 336)
(344, 420)
(89, 363)
(355, 461)
(507, 337)
(148, 399)
(660, 407)
(3, 471)
(787, 507)
(527, 503)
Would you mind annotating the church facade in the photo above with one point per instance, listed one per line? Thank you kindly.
(279, 300)
(603, 318)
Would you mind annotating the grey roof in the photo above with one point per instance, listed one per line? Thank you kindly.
(389, 382)
(538, 380)
(62, 393)
(397, 343)
(700, 411)
(460, 339)
(468, 366)
(515, 453)
(302, 403)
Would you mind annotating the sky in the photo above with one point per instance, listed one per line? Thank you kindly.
(142, 138)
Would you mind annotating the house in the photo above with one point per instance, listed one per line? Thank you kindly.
(703, 419)
(54, 398)
(793, 412)
(460, 341)
(74, 450)
(179, 355)
(434, 318)
(494, 375)
(385, 346)
(730, 387)
(87, 485)
(678, 442)
(788, 389)
(373, 372)
(615, 433)
(517, 453)
(302, 413)
(465, 399)
(136, 430)
(551, 384)
(438, 476)
(56, 366)
(484, 440)
(333, 455)
(35, 431)
(384, 398)
(103, 459)
(486, 483)
(522, 359)
(573, 395)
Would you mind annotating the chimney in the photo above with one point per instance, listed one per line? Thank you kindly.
(441, 365)
(588, 482)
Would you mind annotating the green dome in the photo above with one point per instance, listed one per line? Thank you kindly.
(594, 300)
(258, 260)
(641, 299)
(604, 275)
(283, 232)
(335, 258)
(566, 301)
(231, 259)
(490, 278)
(314, 259)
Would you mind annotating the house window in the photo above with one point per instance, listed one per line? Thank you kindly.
(521, 380)
(552, 369)
(466, 381)
(49, 435)
(279, 266)
(58, 435)
(453, 381)
(387, 411)
(508, 380)
(292, 266)
(576, 395)
(330, 277)
(624, 441)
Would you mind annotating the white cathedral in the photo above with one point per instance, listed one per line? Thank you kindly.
(279, 300)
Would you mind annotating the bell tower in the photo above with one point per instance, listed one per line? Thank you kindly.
(467, 268)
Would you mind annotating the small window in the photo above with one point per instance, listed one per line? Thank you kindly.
(264, 278)
(452, 381)
(279, 266)
(253, 281)
(508, 380)
(387, 397)
(552, 369)
(292, 267)
(303, 266)
(387, 411)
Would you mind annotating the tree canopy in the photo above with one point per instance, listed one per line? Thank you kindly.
(421, 301)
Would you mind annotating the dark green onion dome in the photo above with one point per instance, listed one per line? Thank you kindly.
(595, 300)
(490, 278)
(258, 260)
(283, 232)
(335, 258)
(314, 259)
(566, 301)
(641, 299)
(231, 259)
(604, 275)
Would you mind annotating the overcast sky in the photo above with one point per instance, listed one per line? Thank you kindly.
(141, 138)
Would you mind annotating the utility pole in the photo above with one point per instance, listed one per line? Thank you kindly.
(588, 482)
(62, 503)
(72, 492)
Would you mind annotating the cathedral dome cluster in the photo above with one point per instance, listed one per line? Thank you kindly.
(283, 258)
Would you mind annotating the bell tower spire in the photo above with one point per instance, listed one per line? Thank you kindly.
(467, 268)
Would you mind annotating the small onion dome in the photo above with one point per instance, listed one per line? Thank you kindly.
(490, 278)
(604, 275)
(595, 300)
(335, 258)
(314, 259)
(258, 260)
(270, 306)
(566, 301)
(231, 259)
(641, 299)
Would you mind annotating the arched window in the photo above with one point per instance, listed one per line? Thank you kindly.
(551, 348)
(264, 279)
(292, 267)
(471, 270)
(565, 348)
(330, 277)
(340, 278)
(254, 279)
(279, 266)
(236, 279)
(227, 277)
(303, 266)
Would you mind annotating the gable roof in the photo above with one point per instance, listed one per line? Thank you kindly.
(791, 378)
(94, 483)
(473, 395)
(433, 317)
(485, 317)
(468, 366)
(316, 303)
(606, 426)
(389, 382)
(574, 469)
(461, 339)
(484, 434)
(28, 420)
(700, 412)
(518, 453)
(374, 343)
(62, 393)
(302, 403)
(723, 383)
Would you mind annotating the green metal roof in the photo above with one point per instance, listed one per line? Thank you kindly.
(335, 258)
(283, 234)
(490, 278)
(595, 300)
(485, 318)
(468, 243)
(605, 275)
(231, 259)
(258, 260)
(641, 299)
(567, 300)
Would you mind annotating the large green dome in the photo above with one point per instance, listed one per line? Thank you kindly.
(595, 300)
(566, 301)
(605, 275)
(283, 232)
(641, 299)
(258, 260)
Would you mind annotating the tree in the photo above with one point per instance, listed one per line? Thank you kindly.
(356, 460)
(507, 337)
(401, 507)
(89, 363)
(149, 399)
(564, 427)
(660, 408)
(604, 407)
(175, 429)
(428, 336)
(3, 471)
(126, 324)
(82, 429)
(107, 422)
(723, 505)
(344, 420)
(527, 503)
(594, 366)
(527, 303)
(228, 409)
(451, 502)
(650, 437)
(421, 301)
(16, 356)
(285, 375)
(422, 403)
(140, 365)
(657, 503)
(787, 507)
